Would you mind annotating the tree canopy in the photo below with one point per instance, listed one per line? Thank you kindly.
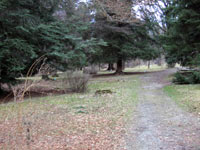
(72, 34)
(31, 29)
(126, 40)
(182, 38)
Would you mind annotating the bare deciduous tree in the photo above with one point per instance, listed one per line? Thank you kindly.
(120, 10)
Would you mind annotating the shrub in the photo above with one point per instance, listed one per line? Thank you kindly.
(76, 81)
(90, 70)
(171, 65)
(187, 77)
(196, 77)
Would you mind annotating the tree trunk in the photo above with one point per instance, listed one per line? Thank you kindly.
(93, 69)
(159, 61)
(110, 67)
(149, 63)
(119, 69)
(99, 67)
(1, 90)
(123, 65)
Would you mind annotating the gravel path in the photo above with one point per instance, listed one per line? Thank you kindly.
(158, 123)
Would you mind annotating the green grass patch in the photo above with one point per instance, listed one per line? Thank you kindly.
(144, 68)
(76, 117)
(186, 96)
(124, 94)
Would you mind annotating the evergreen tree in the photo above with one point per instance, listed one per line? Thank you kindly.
(125, 42)
(18, 19)
(29, 29)
(182, 39)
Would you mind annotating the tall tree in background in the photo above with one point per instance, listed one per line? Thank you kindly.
(182, 39)
(126, 43)
(69, 33)
(127, 36)
(156, 17)
(79, 22)
(176, 23)
(119, 10)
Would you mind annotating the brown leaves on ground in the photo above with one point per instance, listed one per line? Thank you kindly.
(72, 121)
(54, 130)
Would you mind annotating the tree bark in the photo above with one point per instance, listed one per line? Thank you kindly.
(149, 63)
(119, 69)
(99, 67)
(110, 67)
(1, 91)
(93, 69)
(123, 65)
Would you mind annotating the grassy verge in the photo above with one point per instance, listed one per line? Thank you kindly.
(186, 96)
(73, 121)
(144, 68)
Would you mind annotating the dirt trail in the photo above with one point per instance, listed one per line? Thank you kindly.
(159, 124)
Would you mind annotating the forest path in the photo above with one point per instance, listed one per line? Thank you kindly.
(158, 123)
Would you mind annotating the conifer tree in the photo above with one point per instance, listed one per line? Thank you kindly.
(126, 40)
(182, 39)
(30, 29)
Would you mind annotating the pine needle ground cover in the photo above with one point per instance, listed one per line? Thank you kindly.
(186, 96)
(72, 121)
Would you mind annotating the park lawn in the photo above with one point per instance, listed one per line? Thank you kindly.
(186, 96)
(72, 121)
(144, 68)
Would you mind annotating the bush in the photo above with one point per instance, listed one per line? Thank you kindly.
(172, 65)
(196, 77)
(90, 70)
(76, 81)
(187, 77)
